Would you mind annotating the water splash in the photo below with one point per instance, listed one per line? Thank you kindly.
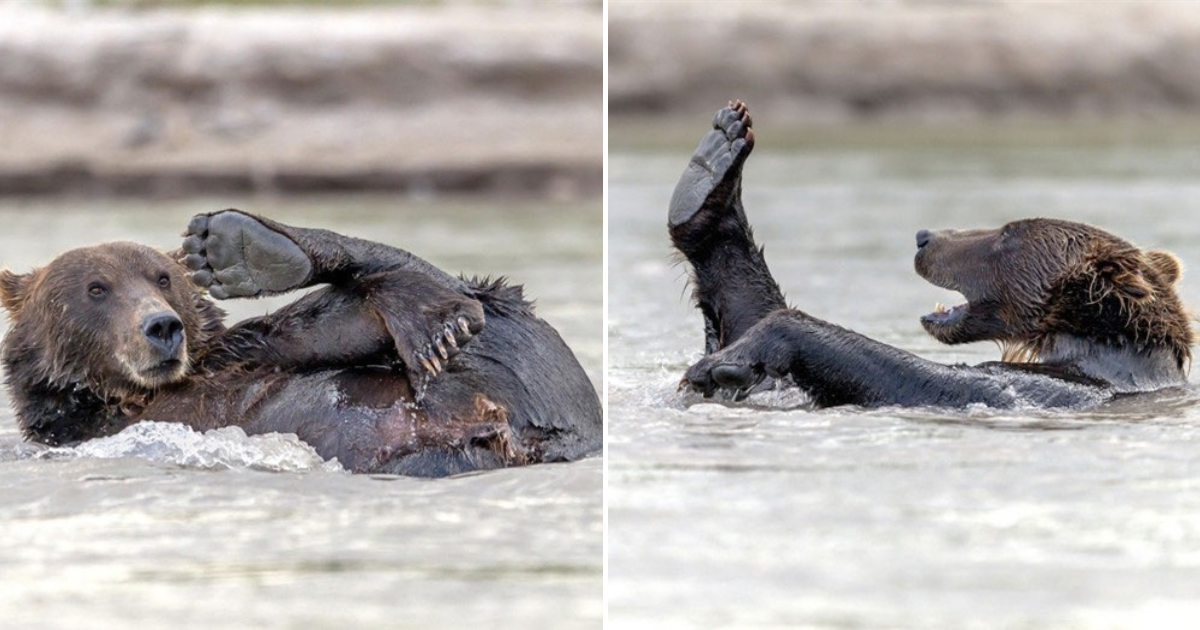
(178, 444)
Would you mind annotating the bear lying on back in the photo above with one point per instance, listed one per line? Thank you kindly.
(394, 367)
(1082, 314)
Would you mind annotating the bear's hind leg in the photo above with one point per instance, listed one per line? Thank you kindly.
(234, 254)
(734, 287)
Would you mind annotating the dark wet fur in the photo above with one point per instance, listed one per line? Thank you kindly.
(336, 367)
(1083, 315)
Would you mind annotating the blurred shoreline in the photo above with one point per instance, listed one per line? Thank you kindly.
(472, 99)
(822, 62)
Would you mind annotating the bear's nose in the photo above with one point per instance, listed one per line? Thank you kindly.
(165, 332)
(923, 237)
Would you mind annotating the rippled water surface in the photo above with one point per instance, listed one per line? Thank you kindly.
(769, 514)
(162, 527)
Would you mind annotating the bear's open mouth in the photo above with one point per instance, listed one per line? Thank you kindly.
(942, 316)
(977, 319)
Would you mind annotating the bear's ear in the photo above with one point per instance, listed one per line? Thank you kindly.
(1168, 265)
(14, 288)
(1121, 273)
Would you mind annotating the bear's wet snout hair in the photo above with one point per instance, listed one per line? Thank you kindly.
(164, 330)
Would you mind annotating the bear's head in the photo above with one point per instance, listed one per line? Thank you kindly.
(117, 321)
(1055, 290)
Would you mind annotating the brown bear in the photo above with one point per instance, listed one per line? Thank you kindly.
(1081, 315)
(394, 367)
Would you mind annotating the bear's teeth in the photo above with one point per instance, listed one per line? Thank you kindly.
(939, 308)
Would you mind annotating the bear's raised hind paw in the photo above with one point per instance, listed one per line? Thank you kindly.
(235, 255)
(711, 177)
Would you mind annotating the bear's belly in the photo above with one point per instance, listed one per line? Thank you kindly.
(366, 418)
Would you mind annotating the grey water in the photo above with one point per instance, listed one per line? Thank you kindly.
(162, 527)
(769, 513)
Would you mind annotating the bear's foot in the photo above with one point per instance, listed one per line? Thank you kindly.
(712, 373)
(234, 255)
(712, 177)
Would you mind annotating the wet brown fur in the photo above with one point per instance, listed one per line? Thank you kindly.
(1043, 278)
(61, 336)
(60, 362)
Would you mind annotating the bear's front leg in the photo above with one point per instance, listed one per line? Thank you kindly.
(382, 318)
(428, 323)
(837, 366)
(834, 365)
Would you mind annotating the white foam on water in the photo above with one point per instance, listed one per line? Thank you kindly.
(178, 444)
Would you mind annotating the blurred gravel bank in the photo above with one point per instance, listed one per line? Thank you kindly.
(932, 59)
(463, 99)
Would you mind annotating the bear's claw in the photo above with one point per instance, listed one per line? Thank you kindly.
(234, 255)
(429, 338)
(445, 344)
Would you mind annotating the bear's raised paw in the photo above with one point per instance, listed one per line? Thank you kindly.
(234, 255)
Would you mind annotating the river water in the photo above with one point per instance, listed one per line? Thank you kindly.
(771, 514)
(162, 527)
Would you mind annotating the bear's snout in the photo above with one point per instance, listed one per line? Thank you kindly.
(923, 237)
(164, 331)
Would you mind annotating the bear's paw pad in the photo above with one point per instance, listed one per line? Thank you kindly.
(234, 255)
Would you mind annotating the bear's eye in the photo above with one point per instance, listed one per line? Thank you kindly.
(164, 281)
(97, 290)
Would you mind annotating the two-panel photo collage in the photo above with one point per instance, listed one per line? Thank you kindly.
(599, 314)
